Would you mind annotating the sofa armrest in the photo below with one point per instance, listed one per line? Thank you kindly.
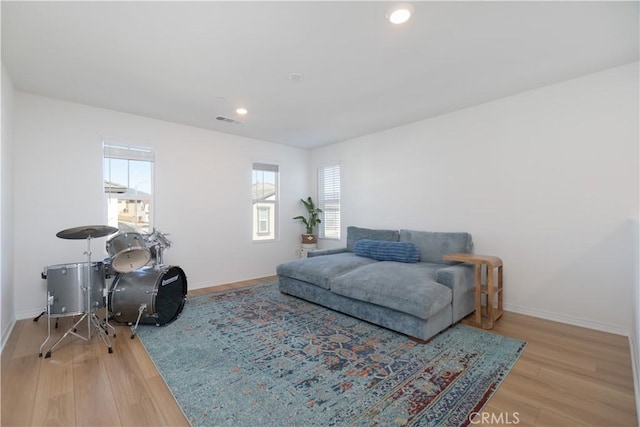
(460, 278)
(320, 252)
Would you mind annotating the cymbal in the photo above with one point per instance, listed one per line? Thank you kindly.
(86, 231)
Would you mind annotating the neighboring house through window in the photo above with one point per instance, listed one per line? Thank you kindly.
(128, 186)
(329, 201)
(264, 196)
(264, 220)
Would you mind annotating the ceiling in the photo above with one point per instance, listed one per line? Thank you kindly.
(190, 62)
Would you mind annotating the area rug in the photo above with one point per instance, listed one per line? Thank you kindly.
(256, 357)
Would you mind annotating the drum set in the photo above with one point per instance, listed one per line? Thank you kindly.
(142, 291)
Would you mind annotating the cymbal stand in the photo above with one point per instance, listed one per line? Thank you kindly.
(92, 318)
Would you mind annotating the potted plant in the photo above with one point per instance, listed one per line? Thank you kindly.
(310, 221)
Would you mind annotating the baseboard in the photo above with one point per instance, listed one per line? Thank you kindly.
(6, 333)
(570, 320)
(28, 314)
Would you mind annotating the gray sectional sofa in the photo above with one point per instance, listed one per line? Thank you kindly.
(376, 278)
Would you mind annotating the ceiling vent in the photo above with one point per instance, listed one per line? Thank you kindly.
(228, 120)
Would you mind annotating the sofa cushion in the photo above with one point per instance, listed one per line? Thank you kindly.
(408, 288)
(356, 233)
(433, 245)
(382, 250)
(321, 270)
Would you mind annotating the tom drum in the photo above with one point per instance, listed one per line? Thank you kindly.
(68, 284)
(163, 290)
(128, 252)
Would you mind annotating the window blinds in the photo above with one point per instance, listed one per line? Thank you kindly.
(329, 201)
(124, 152)
(265, 167)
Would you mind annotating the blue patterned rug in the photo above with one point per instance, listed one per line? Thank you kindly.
(255, 357)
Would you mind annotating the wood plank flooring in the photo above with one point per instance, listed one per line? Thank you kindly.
(567, 376)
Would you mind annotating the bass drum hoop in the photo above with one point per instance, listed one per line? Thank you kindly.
(143, 286)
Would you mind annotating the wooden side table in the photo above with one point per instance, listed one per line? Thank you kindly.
(306, 248)
(491, 289)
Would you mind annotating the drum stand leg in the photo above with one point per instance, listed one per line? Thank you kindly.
(105, 293)
(35, 319)
(92, 318)
(47, 312)
(134, 328)
(102, 331)
(71, 331)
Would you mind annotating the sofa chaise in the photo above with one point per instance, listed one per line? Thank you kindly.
(394, 279)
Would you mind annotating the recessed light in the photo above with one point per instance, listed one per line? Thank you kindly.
(242, 111)
(400, 13)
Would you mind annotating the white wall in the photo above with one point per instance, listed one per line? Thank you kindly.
(7, 312)
(547, 180)
(202, 194)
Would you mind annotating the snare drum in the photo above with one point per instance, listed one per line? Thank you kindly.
(67, 284)
(128, 252)
(163, 290)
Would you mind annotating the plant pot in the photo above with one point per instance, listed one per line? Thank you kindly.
(309, 238)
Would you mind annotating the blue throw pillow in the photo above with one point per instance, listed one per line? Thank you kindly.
(383, 250)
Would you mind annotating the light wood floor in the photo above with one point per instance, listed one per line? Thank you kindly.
(567, 376)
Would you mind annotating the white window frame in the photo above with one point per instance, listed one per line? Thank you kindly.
(270, 203)
(329, 201)
(118, 150)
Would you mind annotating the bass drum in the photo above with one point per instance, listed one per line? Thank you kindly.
(163, 290)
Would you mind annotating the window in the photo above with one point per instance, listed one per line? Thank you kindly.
(128, 185)
(264, 220)
(329, 201)
(264, 196)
